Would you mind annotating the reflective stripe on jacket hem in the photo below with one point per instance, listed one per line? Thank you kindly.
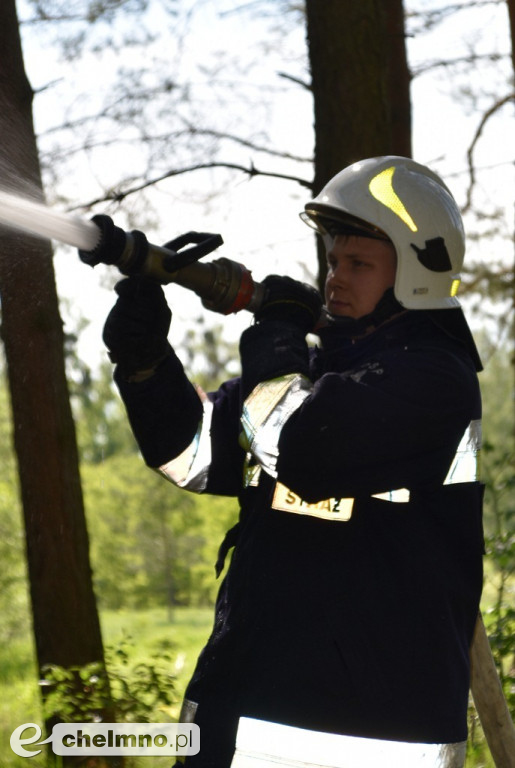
(261, 743)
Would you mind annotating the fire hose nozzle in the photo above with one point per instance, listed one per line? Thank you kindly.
(223, 285)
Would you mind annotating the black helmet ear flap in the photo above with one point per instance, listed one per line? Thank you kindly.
(453, 323)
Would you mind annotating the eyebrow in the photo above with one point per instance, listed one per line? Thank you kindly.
(353, 255)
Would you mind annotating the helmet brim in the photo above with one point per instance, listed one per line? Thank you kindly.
(329, 221)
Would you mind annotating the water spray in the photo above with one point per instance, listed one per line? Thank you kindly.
(223, 285)
(38, 219)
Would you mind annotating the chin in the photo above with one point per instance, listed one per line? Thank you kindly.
(340, 312)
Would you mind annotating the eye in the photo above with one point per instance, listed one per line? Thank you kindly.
(360, 264)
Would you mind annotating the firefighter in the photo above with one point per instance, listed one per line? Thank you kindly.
(347, 608)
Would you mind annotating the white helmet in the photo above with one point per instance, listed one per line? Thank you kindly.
(409, 204)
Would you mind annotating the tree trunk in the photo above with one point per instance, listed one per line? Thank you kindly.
(489, 699)
(360, 84)
(511, 16)
(65, 618)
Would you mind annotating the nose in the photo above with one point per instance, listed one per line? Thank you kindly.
(337, 274)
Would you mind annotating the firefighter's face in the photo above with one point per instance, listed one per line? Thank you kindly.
(360, 270)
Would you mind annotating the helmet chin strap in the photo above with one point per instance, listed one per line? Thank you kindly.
(339, 327)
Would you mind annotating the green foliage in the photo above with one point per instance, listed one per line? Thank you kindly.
(207, 357)
(135, 691)
(74, 694)
(13, 586)
(151, 543)
(134, 639)
(499, 612)
(497, 471)
(102, 426)
(141, 690)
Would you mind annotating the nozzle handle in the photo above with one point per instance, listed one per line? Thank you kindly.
(205, 243)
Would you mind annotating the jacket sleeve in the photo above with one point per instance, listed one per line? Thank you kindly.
(190, 437)
(164, 411)
(394, 421)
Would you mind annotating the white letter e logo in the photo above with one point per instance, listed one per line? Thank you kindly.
(17, 741)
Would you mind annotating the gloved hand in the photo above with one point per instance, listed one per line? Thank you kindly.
(290, 301)
(276, 344)
(136, 329)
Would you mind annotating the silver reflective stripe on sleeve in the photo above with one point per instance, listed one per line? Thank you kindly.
(265, 412)
(261, 743)
(271, 404)
(464, 468)
(398, 496)
(189, 470)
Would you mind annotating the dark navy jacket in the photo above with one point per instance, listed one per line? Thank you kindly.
(360, 627)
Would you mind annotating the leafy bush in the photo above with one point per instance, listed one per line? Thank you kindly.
(136, 692)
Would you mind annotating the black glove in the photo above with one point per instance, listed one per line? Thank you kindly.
(289, 301)
(136, 329)
(276, 345)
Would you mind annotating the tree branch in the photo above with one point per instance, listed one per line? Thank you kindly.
(192, 130)
(189, 130)
(430, 18)
(251, 171)
(296, 80)
(470, 152)
(449, 63)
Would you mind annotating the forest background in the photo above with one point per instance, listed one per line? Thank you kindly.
(198, 115)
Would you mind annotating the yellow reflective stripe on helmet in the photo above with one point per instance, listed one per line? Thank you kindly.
(381, 187)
